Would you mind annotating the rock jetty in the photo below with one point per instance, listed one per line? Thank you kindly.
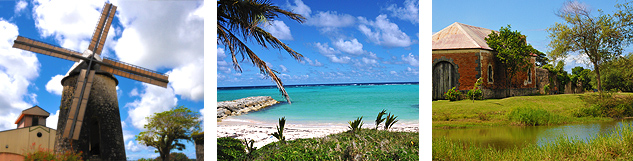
(243, 106)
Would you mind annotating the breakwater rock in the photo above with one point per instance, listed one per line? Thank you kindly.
(244, 105)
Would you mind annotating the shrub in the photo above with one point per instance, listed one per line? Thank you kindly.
(175, 156)
(607, 104)
(475, 94)
(249, 146)
(546, 88)
(356, 125)
(530, 116)
(280, 130)
(391, 119)
(39, 153)
(452, 94)
(230, 148)
(379, 118)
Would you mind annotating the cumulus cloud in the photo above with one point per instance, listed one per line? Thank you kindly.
(383, 32)
(21, 5)
(17, 71)
(315, 63)
(327, 20)
(411, 71)
(188, 80)
(409, 12)
(283, 68)
(342, 59)
(351, 47)
(394, 73)
(153, 99)
(278, 29)
(51, 121)
(411, 60)
(54, 86)
(300, 8)
(325, 48)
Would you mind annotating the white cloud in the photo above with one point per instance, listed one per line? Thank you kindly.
(188, 80)
(410, 59)
(324, 48)
(351, 47)
(394, 72)
(17, 69)
(283, 68)
(315, 63)
(70, 23)
(278, 29)
(162, 34)
(202, 118)
(409, 12)
(383, 32)
(134, 146)
(153, 99)
(21, 5)
(54, 86)
(412, 71)
(300, 8)
(134, 92)
(331, 19)
(342, 59)
(51, 121)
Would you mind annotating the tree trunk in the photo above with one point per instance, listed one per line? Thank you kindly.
(595, 64)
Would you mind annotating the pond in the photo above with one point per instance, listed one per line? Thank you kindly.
(503, 137)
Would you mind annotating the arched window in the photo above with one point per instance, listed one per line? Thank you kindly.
(490, 74)
(529, 73)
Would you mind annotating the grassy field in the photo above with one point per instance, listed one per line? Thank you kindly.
(494, 112)
(368, 144)
(617, 145)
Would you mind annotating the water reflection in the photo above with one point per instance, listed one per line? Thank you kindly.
(512, 136)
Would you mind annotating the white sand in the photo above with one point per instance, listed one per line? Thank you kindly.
(261, 132)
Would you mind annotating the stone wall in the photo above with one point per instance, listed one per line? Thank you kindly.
(243, 106)
(542, 79)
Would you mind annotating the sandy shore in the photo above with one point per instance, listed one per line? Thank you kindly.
(261, 132)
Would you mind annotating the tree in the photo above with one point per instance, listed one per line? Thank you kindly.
(618, 74)
(580, 74)
(512, 50)
(166, 130)
(243, 17)
(600, 38)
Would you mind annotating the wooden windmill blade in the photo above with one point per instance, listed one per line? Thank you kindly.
(101, 31)
(78, 106)
(46, 49)
(134, 72)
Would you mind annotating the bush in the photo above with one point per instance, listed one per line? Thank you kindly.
(546, 88)
(175, 156)
(475, 94)
(530, 116)
(452, 94)
(230, 148)
(607, 104)
(39, 153)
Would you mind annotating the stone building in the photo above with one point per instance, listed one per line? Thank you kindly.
(31, 134)
(461, 56)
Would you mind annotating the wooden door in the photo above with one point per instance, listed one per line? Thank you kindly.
(444, 78)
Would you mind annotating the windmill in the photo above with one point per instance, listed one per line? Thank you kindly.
(87, 65)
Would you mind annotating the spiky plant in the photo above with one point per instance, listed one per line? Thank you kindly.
(280, 130)
(356, 124)
(249, 146)
(391, 119)
(379, 118)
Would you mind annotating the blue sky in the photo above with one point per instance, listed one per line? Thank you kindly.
(163, 36)
(531, 18)
(350, 42)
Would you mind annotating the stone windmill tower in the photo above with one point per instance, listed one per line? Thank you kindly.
(89, 118)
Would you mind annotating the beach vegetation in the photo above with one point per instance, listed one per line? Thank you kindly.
(167, 130)
(356, 125)
(239, 21)
(230, 149)
(452, 94)
(369, 144)
(391, 119)
(600, 38)
(379, 118)
(279, 134)
(614, 145)
(249, 146)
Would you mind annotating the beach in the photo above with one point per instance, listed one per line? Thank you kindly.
(261, 132)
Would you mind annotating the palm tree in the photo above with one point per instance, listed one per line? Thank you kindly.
(243, 17)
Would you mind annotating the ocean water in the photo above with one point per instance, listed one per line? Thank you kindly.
(332, 104)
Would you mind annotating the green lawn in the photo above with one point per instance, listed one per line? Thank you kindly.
(493, 112)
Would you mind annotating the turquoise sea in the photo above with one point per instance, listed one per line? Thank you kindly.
(332, 104)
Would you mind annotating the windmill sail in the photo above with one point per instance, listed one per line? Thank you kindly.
(78, 107)
(46, 49)
(101, 31)
(133, 72)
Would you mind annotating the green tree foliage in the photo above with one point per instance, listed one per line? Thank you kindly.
(561, 76)
(582, 76)
(230, 148)
(618, 74)
(601, 38)
(242, 18)
(512, 50)
(541, 58)
(167, 130)
(175, 156)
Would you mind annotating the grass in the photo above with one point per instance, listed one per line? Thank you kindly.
(495, 112)
(616, 145)
(366, 144)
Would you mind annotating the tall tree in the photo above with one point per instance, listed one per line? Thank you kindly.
(243, 17)
(512, 51)
(600, 38)
(167, 130)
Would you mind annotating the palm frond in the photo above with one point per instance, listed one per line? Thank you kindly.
(391, 119)
(379, 118)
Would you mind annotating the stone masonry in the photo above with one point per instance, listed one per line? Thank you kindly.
(243, 106)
